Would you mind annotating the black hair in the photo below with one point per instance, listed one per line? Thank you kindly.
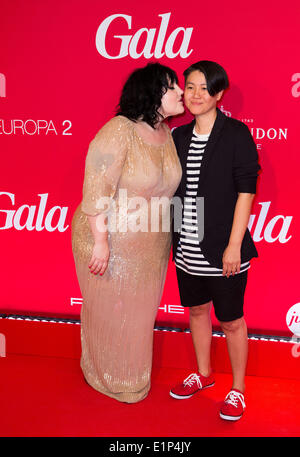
(142, 93)
(215, 75)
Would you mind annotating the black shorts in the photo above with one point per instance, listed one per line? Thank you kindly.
(227, 294)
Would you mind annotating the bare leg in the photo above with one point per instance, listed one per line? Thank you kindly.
(237, 345)
(201, 328)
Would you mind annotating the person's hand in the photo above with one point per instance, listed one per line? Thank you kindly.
(100, 257)
(231, 260)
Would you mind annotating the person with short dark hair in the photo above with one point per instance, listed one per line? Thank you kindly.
(121, 268)
(220, 164)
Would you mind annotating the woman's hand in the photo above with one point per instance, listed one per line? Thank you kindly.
(100, 257)
(231, 260)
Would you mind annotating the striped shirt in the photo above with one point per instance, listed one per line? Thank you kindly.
(189, 256)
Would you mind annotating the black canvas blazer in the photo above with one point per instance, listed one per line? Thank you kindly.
(229, 166)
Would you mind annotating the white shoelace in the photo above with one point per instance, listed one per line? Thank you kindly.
(234, 397)
(191, 379)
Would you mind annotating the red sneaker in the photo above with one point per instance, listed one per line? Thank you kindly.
(233, 406)
(191, 385)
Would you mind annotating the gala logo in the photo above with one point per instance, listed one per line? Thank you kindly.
(24, 217)
(296, 87)
(129, 43)
(264, 230)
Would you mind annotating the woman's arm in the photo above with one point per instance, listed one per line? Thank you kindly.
(103, 169)
(232, 253)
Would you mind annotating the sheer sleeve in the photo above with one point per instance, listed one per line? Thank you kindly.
(104, 162)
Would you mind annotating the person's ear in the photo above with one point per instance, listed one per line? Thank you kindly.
(219, 95)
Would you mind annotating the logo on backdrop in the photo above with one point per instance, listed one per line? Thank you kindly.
(296, 86)
(34, 127)
(43, 220)
(263, 133)
(2, 85)
(293, 319)
(227, 113)
(293, 323)
(259, 133)
(159, 42)
(39, 217)
(166, 308)
(263, 229)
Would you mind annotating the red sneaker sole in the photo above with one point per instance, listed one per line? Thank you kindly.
(230, 418)
(184, 397)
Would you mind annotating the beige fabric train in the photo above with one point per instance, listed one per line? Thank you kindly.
(119, 308)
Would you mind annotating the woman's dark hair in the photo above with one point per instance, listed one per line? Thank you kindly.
(215, 75)
(142, 93)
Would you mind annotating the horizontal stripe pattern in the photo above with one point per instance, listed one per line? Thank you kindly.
(189, 256)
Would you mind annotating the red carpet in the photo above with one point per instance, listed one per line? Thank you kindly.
(43, 392)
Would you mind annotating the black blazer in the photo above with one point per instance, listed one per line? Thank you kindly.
(229, 166)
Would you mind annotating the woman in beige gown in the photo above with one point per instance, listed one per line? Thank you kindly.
(131, 160)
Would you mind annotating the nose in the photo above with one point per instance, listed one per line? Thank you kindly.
(197, 92)
(179, 90)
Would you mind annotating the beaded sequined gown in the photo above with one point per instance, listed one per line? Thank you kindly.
(119, 308)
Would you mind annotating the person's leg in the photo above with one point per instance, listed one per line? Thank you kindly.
(194, 295)
(237, 344)
(228, 302)
(201, 329)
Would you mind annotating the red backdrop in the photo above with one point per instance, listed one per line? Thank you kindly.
(59, 85)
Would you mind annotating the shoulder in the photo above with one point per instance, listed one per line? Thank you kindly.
(183, 130)
(239, 135)
(116, 129)
(238, 132)
(117, 123)
(236, 125)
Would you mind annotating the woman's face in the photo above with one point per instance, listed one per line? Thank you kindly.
(196, 96)
(171, 102)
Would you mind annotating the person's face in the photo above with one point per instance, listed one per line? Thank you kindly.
(171, 102)
(196, 96)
